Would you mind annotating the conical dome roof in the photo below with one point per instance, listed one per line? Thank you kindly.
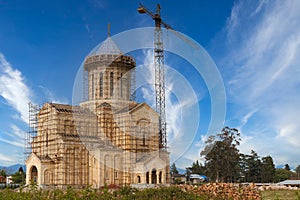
(108, 47)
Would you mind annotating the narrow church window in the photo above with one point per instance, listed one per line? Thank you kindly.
(160, 177)
(147, 177)
(106, 175)
(143, 130)
(47, 138)
(116, 175)
(101, 84)
(121, 88)
(111, 84)
(92, 86)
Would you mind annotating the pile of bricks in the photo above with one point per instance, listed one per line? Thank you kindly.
(224, 191)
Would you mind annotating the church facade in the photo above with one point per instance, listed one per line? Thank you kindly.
(106, 139)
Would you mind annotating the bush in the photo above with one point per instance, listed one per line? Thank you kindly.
(185, 192)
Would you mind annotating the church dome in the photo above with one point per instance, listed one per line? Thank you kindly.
(108, 51)
(108, 47)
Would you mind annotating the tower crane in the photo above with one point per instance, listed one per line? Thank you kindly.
(159, 71)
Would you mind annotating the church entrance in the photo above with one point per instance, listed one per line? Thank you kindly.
(160, 177)
(147, 177)
(33, 174)
(153, 176)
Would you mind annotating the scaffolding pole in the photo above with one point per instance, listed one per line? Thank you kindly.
(32, 128)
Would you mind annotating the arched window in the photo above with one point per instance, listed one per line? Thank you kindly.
(138, 179)
(101, 84)
(111, 84)
(48, 177)
(153, 176)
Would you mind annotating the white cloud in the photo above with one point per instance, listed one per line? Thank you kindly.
(15, 91)
(287, 126)
(51, 97)
(260, 6)
(17, 131)
(173, 110)
(16, 143)
(234, 18)
(17, 94)
(13, 88)
(181, 102)
(4, 158)
(264, 46)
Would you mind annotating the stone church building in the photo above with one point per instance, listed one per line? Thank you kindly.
(106, 139)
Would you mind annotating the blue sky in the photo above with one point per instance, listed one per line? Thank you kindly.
(254, 44)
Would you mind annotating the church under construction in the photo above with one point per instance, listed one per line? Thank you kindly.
(107, 139)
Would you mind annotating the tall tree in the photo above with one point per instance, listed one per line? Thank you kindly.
(298, 171)
(197, 168)
(255, 167)
(251, 167)
(222, 156)
(287, 167)
(2, 173)
(244, 168)
(21, 170)
(174, 169)
(268, 170)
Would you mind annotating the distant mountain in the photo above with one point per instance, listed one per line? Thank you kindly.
(13, 168)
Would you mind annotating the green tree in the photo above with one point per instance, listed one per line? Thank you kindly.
(250, 166)
(298, 171)
(281, 175)
(174, 169)
(222, 156)
(3, 173)
(197, 168)
(19, 177)
(287, 167)
(243, 164)
(255, 167)
(268, 170)
(21, 170)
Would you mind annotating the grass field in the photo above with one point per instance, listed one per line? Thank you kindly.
(280, 195)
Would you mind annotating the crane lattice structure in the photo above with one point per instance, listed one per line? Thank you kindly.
(159, 71)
